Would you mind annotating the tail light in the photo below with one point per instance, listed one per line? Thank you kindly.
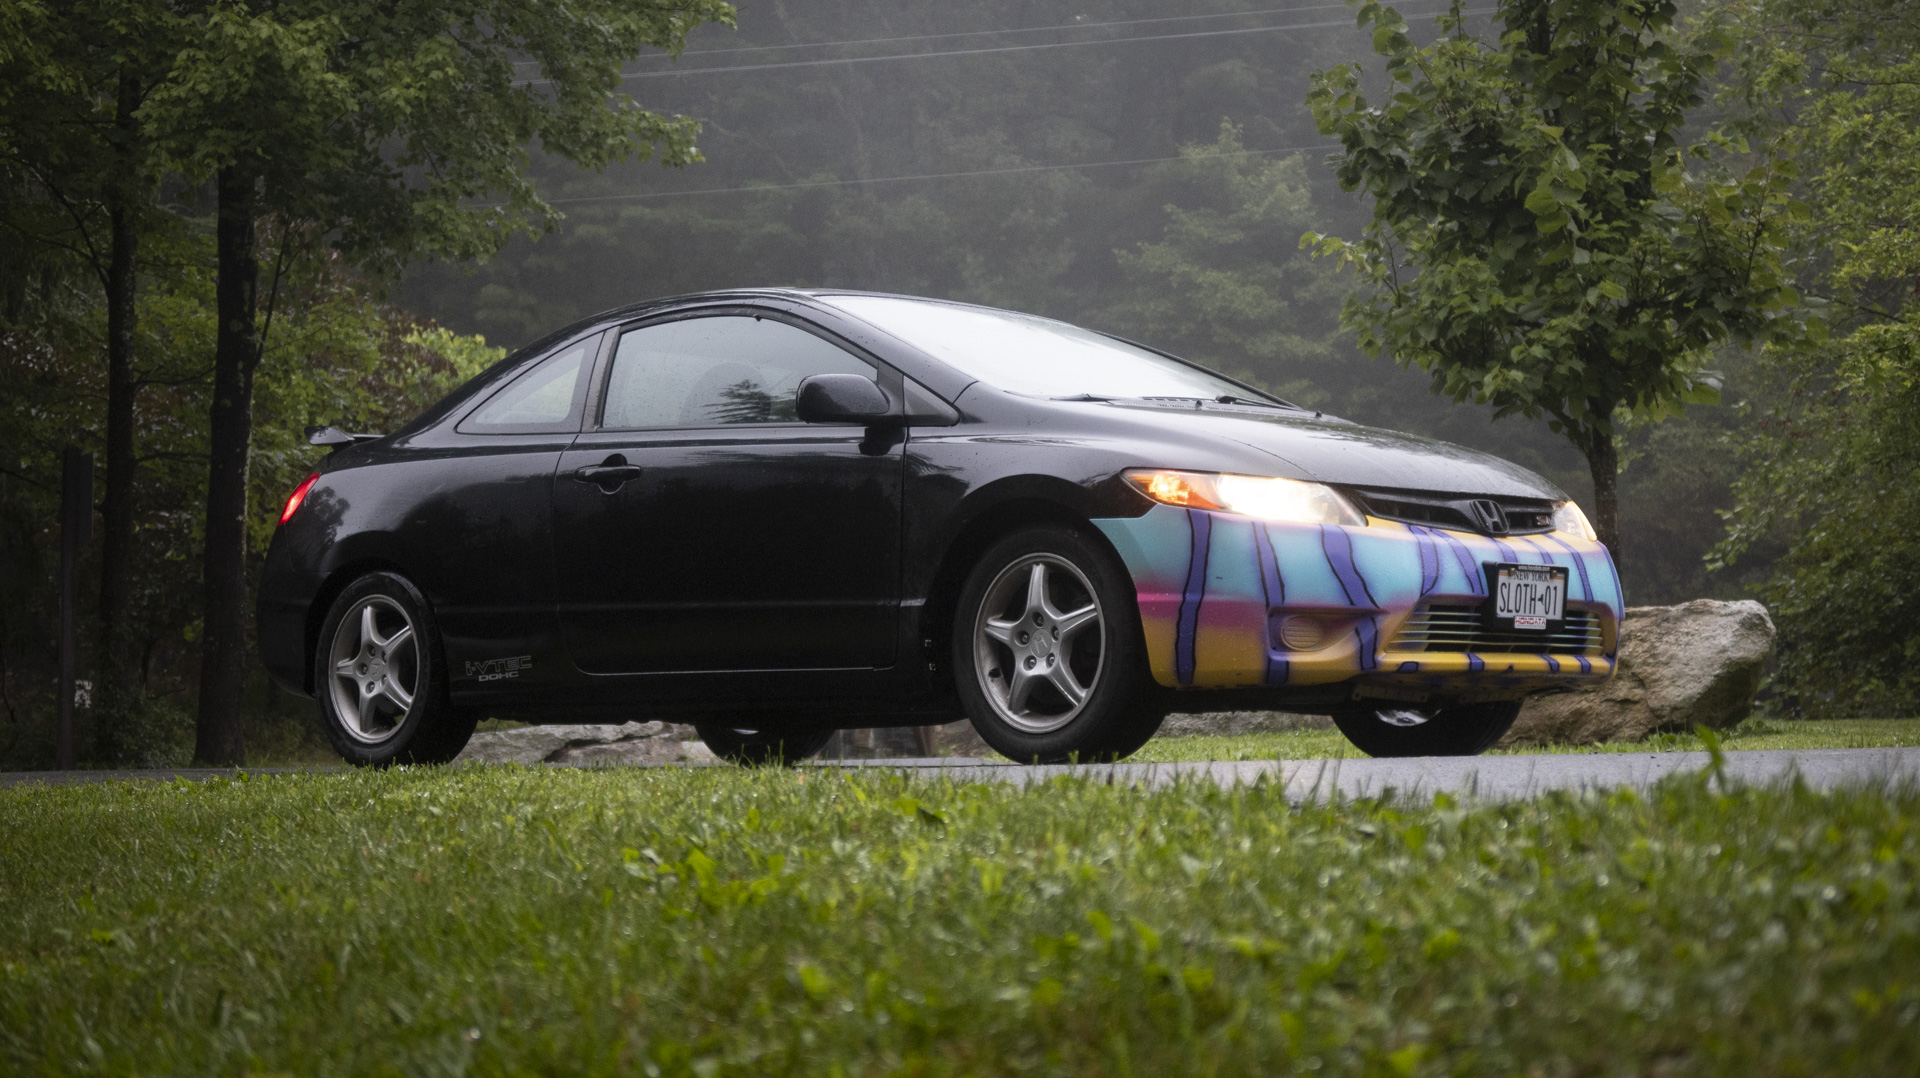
(299, 495)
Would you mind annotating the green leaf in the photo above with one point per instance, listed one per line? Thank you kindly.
(1542, 203)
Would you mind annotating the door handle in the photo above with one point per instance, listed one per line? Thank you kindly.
(610, 474)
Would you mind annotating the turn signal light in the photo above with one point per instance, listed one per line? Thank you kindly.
(299, 495)
(1177, 488)
(1262, 496)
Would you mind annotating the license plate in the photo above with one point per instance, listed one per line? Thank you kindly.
(1528, 596)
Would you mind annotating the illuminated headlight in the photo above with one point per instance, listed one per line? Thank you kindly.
(1568, 518)
(1260, 496)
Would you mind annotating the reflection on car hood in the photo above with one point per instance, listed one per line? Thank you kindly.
(1335, 451)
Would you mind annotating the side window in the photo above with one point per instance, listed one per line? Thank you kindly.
(703, 372)
(546, 398)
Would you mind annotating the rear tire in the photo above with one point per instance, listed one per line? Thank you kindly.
(380, 681)
(1048, 655)
(1379, 729)
(759, 747)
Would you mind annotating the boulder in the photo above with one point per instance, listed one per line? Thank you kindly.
(1696, 664)
(628, 743)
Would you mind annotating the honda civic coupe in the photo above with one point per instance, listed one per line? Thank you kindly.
(776, 513)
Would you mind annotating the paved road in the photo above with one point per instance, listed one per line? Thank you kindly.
(1487, 777)
(1497, 777)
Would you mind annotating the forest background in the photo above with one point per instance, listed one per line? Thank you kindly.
(1142, 168)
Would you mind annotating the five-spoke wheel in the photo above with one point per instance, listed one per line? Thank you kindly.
(1047, 650)
(379, 678)
(1037, 642)
(376, 668)
(1381, 729)
(786, 741)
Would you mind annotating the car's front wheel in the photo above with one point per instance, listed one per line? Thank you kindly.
(1381, 729)
(753, 746)
(379, 679)
(1047, 651)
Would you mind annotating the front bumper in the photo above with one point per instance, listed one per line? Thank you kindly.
(1216, 589)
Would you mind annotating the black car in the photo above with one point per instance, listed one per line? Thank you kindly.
(774, 513)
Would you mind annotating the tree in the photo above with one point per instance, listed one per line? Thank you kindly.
(1224, 284)
(371, 130)
(1540, 239)
(73, 134)
(1832, 468)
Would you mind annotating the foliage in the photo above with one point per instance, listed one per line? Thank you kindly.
(1541, 240)
(1211, 288)
(1833, 465)
(384, 122)
(1754, 734)
(717, 921)
(341, 354)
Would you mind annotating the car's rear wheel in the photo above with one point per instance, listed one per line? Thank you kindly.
(1380, 729)
(1047, 650)
(751, 746)
(379, 679)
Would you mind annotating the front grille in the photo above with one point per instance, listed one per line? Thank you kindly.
(1459, 628)
(1512, 516)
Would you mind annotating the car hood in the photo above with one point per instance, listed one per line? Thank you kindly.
(1332, 450)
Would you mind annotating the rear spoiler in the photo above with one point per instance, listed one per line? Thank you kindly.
(336, 438)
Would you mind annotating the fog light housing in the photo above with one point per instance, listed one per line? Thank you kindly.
(1301, 634)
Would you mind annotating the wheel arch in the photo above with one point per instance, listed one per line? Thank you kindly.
(1018, 505)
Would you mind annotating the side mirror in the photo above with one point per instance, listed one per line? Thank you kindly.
(842, 398)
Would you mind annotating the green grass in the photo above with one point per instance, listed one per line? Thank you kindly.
(717, 921)
(1752, 734)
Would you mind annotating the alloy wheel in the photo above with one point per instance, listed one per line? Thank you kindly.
(1038, 644)
(376, 669)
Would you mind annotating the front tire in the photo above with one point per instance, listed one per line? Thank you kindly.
(380, 682)
(1047, 651)
(1380, 729)
(762, 747)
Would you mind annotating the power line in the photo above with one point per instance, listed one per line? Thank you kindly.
(983, 33)
(932, 175)
(1013, 30)
(992, 49)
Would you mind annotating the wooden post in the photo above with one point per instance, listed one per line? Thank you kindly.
(76, 530)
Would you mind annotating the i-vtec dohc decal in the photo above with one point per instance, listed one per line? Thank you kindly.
(497, 669)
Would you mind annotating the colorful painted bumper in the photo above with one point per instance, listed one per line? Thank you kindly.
(1232, 602)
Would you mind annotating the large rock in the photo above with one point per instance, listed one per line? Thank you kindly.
(628, 743)
(1696, 664)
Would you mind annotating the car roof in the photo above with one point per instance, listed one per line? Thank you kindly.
(643, 306)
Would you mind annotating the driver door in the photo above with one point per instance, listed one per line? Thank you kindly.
(700, 527)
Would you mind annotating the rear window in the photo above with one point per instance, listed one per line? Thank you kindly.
(544, 399)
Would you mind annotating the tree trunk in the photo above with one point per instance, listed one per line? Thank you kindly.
(1603, 463)
(236, 353)
(116, 508)
(118, 673)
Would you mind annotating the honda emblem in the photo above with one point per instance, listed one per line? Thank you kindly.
(1488, 514)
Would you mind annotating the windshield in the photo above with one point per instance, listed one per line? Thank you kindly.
(1023, 353)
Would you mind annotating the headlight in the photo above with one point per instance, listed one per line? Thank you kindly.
(1568, 518)
(1261, 496)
